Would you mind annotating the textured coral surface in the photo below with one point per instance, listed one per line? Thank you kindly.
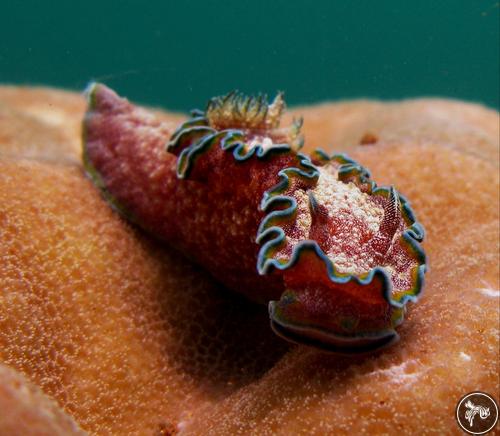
(129, 337)
(27, 410)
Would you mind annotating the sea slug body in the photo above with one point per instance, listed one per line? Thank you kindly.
(334, 256)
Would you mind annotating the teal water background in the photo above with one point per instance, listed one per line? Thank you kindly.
(179, 54)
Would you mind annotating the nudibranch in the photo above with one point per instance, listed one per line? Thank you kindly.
(335, 257)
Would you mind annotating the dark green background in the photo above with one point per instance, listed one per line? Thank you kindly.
(178, 54)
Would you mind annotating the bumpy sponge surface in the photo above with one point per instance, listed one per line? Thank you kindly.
(128, 337)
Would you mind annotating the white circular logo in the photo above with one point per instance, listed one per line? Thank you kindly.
(477, 413)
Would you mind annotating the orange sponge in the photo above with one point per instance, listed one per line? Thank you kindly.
(128, 336)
